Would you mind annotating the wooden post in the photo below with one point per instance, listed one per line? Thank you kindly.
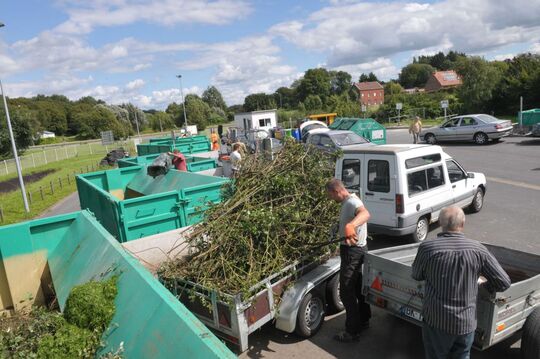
(33, 160)
(90, 147)
(1, 214)
(30, 197)
(45, 156)
(87, 169)
(41, 192)
(65, 150)
(56, 154)
(69, 180)
(60, 182)
(5, 164)
(52, 188)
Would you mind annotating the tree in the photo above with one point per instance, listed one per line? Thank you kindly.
(368, 78)
(480, 79)
(197, 112)
(213, 98)
(285, 97)
(392, 88)
(52, 116)
(160, 120)
(136, 116)
(315, 82)
(313, 103)
(340, 82)
(259, 101)
(415, 75)
(22, 131)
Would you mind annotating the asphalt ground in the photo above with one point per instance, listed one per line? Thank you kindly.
(510, 218)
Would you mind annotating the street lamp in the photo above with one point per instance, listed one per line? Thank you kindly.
(14, 147)
(183, 102)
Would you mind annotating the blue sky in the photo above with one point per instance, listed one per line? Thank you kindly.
(131, 50)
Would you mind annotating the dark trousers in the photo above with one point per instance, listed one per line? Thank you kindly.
(441, 345)
(415, 137)
(357, 311)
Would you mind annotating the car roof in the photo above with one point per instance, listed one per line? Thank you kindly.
(392, 149)
(337, 132)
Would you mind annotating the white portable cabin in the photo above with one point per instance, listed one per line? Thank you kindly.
(262, 120)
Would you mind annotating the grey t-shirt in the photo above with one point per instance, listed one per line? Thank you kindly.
(348, 212)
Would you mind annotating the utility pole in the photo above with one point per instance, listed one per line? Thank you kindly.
(14, 148)
(137, 122)
(183, 102)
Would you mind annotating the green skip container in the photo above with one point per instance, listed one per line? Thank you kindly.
(365, 127)
(64, 251)
(186, 145)
(131, 205)
(194, 164)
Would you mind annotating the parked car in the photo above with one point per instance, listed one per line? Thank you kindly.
(332, 140)
(308, 126)
(535, 131)
(406, 186)
(479, 128)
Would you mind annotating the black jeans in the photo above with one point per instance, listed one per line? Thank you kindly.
(357, 311)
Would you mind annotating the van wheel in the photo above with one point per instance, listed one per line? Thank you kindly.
(310, 315)
(478, 201)
(530, 339)
(480, 138)
(335, 305)
(430, 138)
(421, 231)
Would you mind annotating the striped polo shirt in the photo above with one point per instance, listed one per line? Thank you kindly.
(450, 266)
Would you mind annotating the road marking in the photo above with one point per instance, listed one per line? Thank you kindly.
(514, 183)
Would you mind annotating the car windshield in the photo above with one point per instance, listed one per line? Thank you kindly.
(488, 118)
(346, 139)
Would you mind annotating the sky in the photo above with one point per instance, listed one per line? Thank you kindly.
(132, 50)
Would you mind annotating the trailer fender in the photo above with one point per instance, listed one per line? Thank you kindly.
(291, 299)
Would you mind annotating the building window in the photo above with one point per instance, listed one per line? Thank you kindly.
(374, 94)
(362, 95)
(368, 94)
(264, 122)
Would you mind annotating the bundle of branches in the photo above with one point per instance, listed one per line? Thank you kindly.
(274, 214)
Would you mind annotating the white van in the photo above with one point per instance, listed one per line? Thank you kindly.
(404, 187)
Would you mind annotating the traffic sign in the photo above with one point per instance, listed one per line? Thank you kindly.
(364, 108)
(399, 106)
(107, 138)
(444, 104)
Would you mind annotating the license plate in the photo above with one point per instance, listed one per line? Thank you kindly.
(411, 313)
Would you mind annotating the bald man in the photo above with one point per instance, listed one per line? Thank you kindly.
(450, 266)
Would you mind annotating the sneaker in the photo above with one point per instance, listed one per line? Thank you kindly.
(345, 337)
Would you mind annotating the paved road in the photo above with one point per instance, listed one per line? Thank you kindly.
(510, 217)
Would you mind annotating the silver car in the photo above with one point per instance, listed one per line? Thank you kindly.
(478, 128)
(332, 140)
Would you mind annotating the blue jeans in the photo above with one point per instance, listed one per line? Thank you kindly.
(441, 345)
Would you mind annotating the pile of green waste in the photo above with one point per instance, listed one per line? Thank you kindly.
(45, 333)
(276, 213)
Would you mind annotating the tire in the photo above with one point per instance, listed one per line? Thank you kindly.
(430, 138)
(310, 316)
(421, 231)
(477, 202)
(332, 296)
(480, 138)
(530, 338)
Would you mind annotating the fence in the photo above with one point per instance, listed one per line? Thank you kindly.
(37, 158)
(56, 184)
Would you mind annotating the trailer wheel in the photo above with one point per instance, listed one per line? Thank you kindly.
(530, 339)
(310, 315)
(332, 296)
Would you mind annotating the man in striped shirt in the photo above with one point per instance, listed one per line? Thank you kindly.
(450, 266)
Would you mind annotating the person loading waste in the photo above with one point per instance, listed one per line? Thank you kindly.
(214, 138)
(178, 161)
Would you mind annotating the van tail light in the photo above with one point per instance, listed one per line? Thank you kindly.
(399, 203)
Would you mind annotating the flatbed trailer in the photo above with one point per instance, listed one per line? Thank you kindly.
(387, 283)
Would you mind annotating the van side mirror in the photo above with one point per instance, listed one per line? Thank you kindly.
(470, 175)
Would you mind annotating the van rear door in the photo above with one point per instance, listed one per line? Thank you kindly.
(379, 187)
(348, 170)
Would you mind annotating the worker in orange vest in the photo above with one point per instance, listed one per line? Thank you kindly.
(214, 138)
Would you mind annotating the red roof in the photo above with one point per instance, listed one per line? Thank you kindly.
(373, 85)
(447, 78)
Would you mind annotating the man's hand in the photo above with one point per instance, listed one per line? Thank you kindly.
(350, 234)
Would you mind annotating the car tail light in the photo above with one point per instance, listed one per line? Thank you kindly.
(399, 203)
(499, 126)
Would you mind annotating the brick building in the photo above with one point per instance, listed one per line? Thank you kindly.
(440, 80)
(370, 93)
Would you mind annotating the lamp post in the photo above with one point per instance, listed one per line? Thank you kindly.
(183, 102)
(137, 121)
(14, 147)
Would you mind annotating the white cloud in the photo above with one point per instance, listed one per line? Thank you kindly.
(370, 30)
(535, 48)
(383, 68)
(135, 84)
(84, 16)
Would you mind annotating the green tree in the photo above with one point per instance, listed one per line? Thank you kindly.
(22, 131)
(259, 101)
(285, 97)
(340, 82)
(52, 116)
(313, 104)
(197, 112)
(392, 88)
(160, 120)
(315, 82)
(136, 116)
(480, 79)
(415, 75)
(213, 98)
(368, 78)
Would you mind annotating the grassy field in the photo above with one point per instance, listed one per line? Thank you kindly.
(63, 184)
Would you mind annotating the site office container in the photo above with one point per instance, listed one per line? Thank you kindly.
(365, 127)
(49, 256)
(130, 204)
(194, 164)
(186, 145)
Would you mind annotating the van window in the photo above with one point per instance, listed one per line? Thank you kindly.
(422, 180)
(378, 176)
(350, 174)
(455, 173)
(421, 161)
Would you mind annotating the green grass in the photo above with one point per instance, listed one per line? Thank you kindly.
(12, 203)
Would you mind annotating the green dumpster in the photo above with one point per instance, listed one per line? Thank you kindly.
(188, 147)
(188, 139)
(365, 127)
(130, 204)
(67, 250)
(194, 164)
(530, 117)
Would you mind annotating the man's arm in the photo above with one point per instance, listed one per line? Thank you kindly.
(497, 279)
(418, 265)
(361, 216)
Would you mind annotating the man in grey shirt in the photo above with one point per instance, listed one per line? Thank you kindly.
(451, 266)
(353, 229)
